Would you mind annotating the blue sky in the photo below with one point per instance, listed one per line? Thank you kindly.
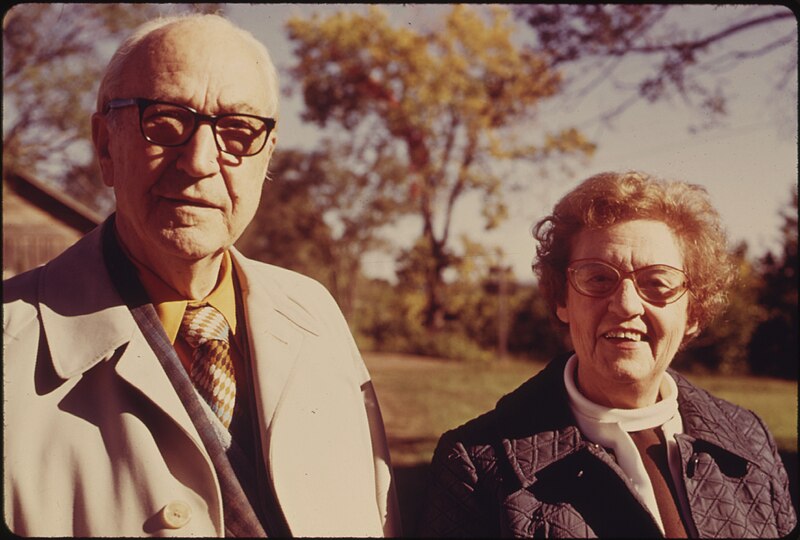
(748, 165)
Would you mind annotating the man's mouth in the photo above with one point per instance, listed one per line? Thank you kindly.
(188, 202)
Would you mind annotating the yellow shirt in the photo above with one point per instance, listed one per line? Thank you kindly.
(170, 306)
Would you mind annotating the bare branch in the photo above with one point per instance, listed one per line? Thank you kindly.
(693, 45)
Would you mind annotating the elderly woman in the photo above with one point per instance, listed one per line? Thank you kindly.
(608, 441)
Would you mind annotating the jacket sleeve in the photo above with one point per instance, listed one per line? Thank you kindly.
(385, 491)
(454, 506)
(786, 519)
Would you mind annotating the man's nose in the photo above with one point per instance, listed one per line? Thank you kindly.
(625, 301)
(199, 156)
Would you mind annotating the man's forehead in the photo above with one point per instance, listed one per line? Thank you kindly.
(196, 41)
(219, 70)
(186, 33)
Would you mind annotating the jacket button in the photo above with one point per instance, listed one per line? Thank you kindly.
(176, 514)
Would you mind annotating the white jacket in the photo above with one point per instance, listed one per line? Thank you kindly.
(97, 442)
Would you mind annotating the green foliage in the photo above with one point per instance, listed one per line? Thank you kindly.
(447, 344)
(320, 213)
(773, 349)
(388, 318)
(496, 311)
(722, 347)
(288, 229)
(535, 332)
(383, 318)
(489, 315)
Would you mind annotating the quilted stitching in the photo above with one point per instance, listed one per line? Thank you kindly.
(540, 450)
(714, 498)
(484, 474)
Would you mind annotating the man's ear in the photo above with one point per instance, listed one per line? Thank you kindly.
(562, 313)
(101, 142)
(272, 142)
(269, 148)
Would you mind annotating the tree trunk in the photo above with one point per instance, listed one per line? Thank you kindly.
(434, 283)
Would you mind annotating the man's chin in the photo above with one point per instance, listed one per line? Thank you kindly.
(190, 245)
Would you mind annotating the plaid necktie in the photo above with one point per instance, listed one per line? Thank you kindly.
(206, 331)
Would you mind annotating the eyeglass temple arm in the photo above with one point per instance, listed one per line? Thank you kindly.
(119, 103)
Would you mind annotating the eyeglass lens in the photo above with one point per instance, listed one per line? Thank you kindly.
(658, 283)
(171, 125)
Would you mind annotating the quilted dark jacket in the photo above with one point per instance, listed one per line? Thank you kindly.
(524, 470)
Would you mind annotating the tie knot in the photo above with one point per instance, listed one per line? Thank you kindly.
(203, 323)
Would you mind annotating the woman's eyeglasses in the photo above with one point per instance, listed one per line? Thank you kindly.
(658, 284)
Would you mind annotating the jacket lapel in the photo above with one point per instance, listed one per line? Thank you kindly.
(240, 518)
(317, 448)
(275, 333)
(142, 370)
(533, 442)
(703, 419)
(86, 321)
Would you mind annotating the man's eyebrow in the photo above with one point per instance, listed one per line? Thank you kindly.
(242, 107)
(236, 107)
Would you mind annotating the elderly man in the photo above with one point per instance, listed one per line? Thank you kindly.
(156, 382)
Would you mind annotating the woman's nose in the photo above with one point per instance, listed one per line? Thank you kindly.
(625, 301)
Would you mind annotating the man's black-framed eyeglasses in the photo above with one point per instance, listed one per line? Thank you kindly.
(658, 283)
(170, 124)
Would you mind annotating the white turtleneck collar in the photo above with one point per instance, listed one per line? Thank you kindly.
(609, 427)
(628, 419)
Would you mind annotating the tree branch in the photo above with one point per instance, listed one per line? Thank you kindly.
(701, 43)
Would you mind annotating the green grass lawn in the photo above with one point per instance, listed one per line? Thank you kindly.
(422, 397)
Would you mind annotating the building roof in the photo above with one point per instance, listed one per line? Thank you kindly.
(52, 200)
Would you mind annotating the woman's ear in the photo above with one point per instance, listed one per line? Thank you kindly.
(692, 329)
(563, 314)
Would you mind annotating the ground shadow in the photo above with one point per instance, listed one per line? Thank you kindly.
(412, 481)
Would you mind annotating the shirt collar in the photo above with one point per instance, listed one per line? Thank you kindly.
(587, 411)
(170, 305)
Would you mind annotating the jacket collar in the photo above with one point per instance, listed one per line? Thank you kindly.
(85, 319)
(83, 316)
(705, 419)
(266, 287)
(535, 441)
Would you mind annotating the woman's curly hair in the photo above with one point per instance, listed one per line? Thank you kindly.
(608, 198)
